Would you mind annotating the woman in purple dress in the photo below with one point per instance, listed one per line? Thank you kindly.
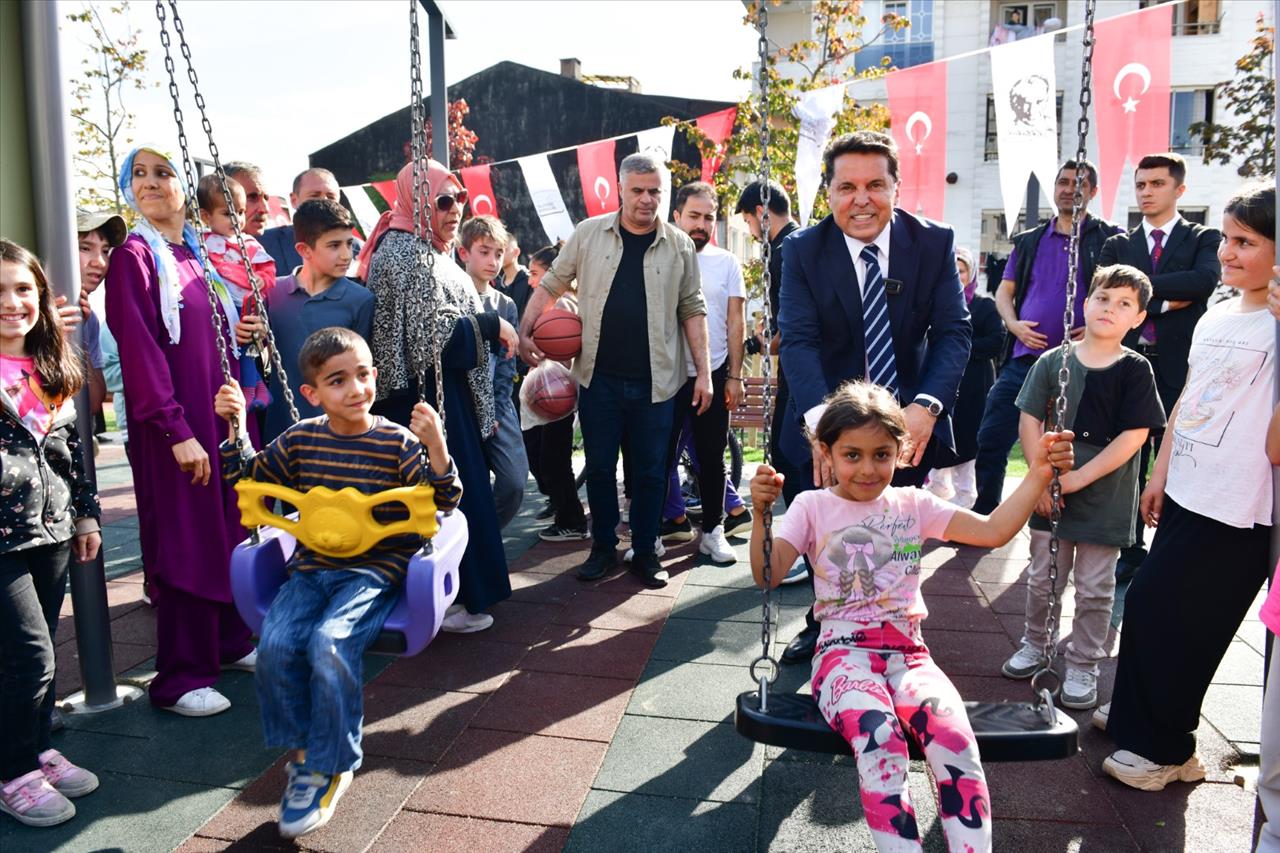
(159, 314)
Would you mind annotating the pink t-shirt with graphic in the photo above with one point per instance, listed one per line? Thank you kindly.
(866, 555)
(20, 381)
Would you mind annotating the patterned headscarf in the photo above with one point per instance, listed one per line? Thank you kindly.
(166, 264)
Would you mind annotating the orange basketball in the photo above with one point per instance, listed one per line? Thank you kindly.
(553, 394)
(558, 333)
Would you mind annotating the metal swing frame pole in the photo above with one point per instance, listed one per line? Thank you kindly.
(56, 227)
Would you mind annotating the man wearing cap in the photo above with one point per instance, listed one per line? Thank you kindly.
(98, 233)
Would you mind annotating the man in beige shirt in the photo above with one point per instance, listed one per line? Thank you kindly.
(640, 297)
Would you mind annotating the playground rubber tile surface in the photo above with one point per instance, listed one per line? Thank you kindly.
(615, 611)
(549, 703)
(621, 580)
(1240, 665)
(1045, 835)
(520, 622)
(108, 819)
(737, 576)
(638, 823)
(682, 758)
(715, 604)
(591, 651)
(967, 653)
(553, 558)
(945, 581)
(511, 776)
(1234, 709)
(701, 641)
(544, 589)
(688, 691)
(124, 655)
(954, 613)
(1206, 817)
(1005, 597)
(413, 832)
(413, 722)
(466, 663)
(1019, 790)
(995, 569)
(994, 687)
(936, 556)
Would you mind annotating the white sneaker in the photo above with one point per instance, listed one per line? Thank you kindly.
(658, 549)
(1100, 717)
(458, 621)
(248, 663)
(1080, 690)
(201, 702)
(1026, 661)
(715, 546)
(1137, 772)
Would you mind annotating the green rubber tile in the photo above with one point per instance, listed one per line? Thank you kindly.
(688, 691)
(700, 641)
(682, 758)
(718, 604)
(130, 813)
(636, 823)
(815, 807)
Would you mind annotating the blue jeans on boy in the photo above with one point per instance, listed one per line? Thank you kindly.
(310, 663)
(603, 408)
(999, 431)
(506, 457)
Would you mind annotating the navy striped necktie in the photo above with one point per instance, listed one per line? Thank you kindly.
(882, 369)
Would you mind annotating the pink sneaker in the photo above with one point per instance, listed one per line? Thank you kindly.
(30, 799)
(67, 778)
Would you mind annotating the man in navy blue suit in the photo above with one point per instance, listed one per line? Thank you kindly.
(841, 280)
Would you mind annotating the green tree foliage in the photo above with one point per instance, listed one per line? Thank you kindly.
(102, 121)
(1250, 97)
(825, 59)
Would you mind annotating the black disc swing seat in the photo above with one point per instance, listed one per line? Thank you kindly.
(1004, 731)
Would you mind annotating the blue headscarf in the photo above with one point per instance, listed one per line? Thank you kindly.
(166, 265)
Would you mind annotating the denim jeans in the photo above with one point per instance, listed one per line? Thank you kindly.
(603, 408)
(34, 582)
(999, 431)
(310, 663)
(506, 457)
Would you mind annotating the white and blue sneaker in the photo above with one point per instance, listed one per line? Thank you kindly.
(309, 800)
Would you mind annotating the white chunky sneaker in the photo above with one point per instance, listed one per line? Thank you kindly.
(715, 546)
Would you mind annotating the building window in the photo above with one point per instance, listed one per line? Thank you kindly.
(1185, 109)
(991, 151)
(1013, 21)
(903, 48)
(1192, 17)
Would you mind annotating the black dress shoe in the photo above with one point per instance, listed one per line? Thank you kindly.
(599, 563)
(649, 570)
(800, 649)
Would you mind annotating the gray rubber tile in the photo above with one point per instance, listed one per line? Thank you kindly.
(681, 758)
(688, 691)
(718, 604)
(696, 640)
(638, 823)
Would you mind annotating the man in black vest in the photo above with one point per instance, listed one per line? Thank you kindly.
(1181, 258)
(1031, 300)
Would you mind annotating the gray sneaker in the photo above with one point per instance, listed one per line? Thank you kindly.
(1080, 690)
(1026, 661)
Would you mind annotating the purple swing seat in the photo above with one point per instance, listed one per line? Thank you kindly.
(258, 571)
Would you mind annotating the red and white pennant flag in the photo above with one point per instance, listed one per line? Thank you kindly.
(918, 121)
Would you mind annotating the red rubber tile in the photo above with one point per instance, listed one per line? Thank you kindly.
(552, 558)
(544, 589)
(125, 656)
(521, 622)
(465, 663)
(996, 569)
(414, 722)
(137, 626)
(944, 581)
(200, 844)
(617, 611)
(408, 832)
(591, 651)
(548, 703)
(961, 613)
(509, 776)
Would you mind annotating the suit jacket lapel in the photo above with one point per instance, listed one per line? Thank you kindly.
(1176, 236)
(1138, 254)
(843, 277)
(904, 266)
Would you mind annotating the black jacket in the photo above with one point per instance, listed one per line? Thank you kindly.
(43, 488)
(1092, 237)
(1189, 270)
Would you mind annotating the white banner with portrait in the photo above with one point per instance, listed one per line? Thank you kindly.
(546, 196)
(1025, 92)
(658, 141)
(816, 111)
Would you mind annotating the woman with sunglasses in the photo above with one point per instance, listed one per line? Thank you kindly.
(414, 317)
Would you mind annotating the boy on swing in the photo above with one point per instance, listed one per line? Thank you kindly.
(330, 609)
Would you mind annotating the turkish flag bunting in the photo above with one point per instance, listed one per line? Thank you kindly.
(717, 126)
(599, 176)
(1131, 92)
(918, 121)
(482, 200)
(386, 189)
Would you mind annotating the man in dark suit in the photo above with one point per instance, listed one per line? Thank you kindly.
(1181, 258)
(280, 242)
(869, 254)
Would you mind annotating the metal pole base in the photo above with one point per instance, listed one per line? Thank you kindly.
(75, 704)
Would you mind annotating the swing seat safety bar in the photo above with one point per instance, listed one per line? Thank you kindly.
(1005, 731)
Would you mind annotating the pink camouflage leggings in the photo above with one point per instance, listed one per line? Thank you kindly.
(873, 680)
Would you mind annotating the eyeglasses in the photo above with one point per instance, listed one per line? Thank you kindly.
(445, 202)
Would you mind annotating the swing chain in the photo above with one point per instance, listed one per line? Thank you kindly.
(216, 318)
(274, 360)
(766, 516)
(1078, 211)
(422, 230)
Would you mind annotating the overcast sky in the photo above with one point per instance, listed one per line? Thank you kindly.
(282, 78)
